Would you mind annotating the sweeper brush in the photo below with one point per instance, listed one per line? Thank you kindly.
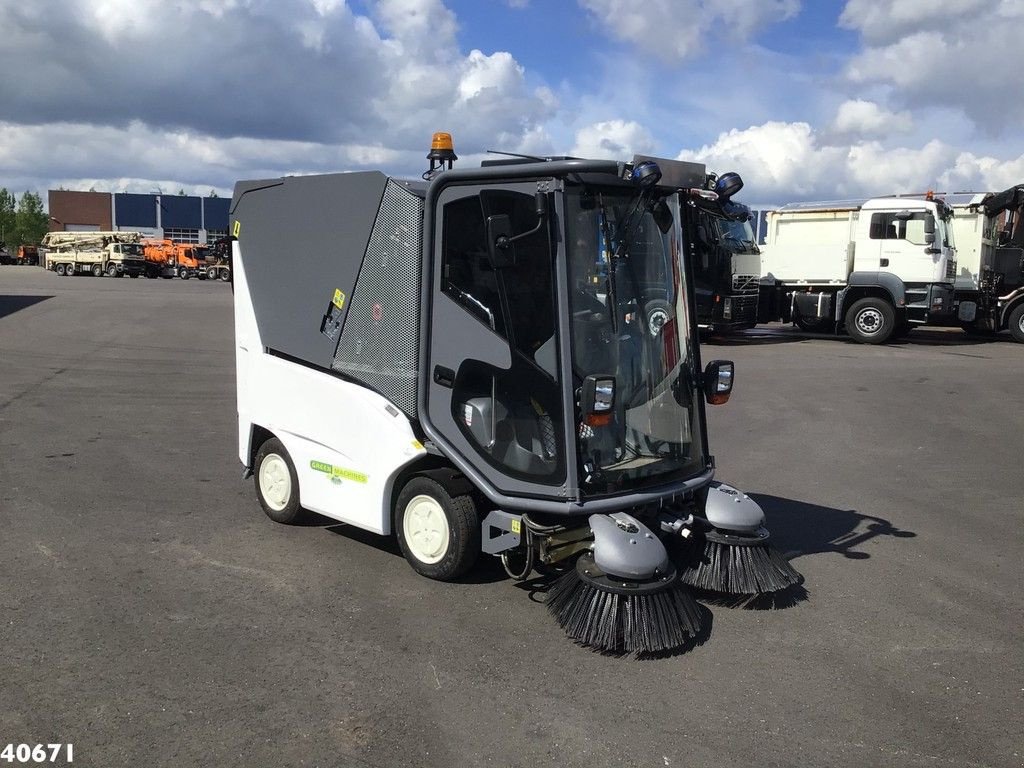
(728, 551)
(617, 615)
(738, 565)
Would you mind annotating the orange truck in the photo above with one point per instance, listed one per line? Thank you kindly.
(165, 258)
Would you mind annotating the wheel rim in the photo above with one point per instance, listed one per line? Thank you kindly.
(656, 321)
(869, 321)
(1020, 324)
(275, 482)
(425, 529)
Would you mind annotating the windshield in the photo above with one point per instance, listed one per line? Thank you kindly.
(738, 231)
(945, 232)
(630, 321)
(131, 250)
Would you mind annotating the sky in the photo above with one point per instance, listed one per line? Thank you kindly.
(805, 99)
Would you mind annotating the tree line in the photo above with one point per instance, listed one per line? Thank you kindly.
(22, 220)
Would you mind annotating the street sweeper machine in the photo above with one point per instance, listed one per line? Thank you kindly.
(467, 362)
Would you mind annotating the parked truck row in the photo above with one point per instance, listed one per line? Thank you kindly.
(878, 268)
(116, 254)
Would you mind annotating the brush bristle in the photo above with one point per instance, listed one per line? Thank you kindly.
(739, 570)
(654, 622)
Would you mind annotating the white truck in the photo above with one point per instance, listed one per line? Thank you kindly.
(875, 267)
(97, 253)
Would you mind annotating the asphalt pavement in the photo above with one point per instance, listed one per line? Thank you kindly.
(150, 614)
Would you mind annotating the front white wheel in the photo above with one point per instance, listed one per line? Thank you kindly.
(277, 485)
(426, 529)
(438, 533)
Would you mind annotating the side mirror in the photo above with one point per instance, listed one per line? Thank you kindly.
(597, 399)
(929, 226)
(718, 378)
(499, 241)
(929, 238)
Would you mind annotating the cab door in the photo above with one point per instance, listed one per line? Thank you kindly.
(493, 394)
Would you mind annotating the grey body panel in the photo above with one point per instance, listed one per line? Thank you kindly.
(730, 509)
(625, 547)
(379, 343)
(303, 237)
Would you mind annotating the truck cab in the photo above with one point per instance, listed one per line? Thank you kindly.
(726, 269)
(874, 267)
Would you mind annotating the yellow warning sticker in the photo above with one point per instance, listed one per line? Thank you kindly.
(417, 445)
(515, 525)
(338, 473)
(236, 229)
(339, 298)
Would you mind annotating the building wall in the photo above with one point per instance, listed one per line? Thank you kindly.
(184, 218)
(78, 210)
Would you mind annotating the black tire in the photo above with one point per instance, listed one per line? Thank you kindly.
(59, 269)
(97, 270)
(277, 484)
(69, 270)
(211, 273)
(183, 273)
(133, 275)
(658, 312)
(111, 270)
(225, 275)
(1016, 324)
(871, 321)
(437, 554)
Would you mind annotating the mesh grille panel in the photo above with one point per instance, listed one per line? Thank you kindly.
(379, 343)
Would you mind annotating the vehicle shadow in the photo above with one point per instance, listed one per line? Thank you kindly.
(9, 304)
(487, 570)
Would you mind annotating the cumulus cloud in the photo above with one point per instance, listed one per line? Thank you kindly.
(786, 162)
(612, 139)
(865, 118)
(963, 53)
(678, 29)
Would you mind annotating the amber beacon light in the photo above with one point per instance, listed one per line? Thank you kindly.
(442, 151)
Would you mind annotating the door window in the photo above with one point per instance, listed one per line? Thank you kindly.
(512, 418)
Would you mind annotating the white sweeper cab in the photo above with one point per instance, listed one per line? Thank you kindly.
(468, 362)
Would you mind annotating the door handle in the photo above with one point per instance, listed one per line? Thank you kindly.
(883, 262)
(444, 376)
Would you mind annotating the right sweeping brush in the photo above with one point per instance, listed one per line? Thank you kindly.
(732, 554)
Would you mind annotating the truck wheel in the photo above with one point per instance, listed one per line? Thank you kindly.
(183, 273)
(69, 270)
(870, 321)
(111, 270)
(1017, 324)
(225, 275)
(658, 313)
(59, 269)
(439, 534)
(277, 485)
(211, 273)
(97, 270)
